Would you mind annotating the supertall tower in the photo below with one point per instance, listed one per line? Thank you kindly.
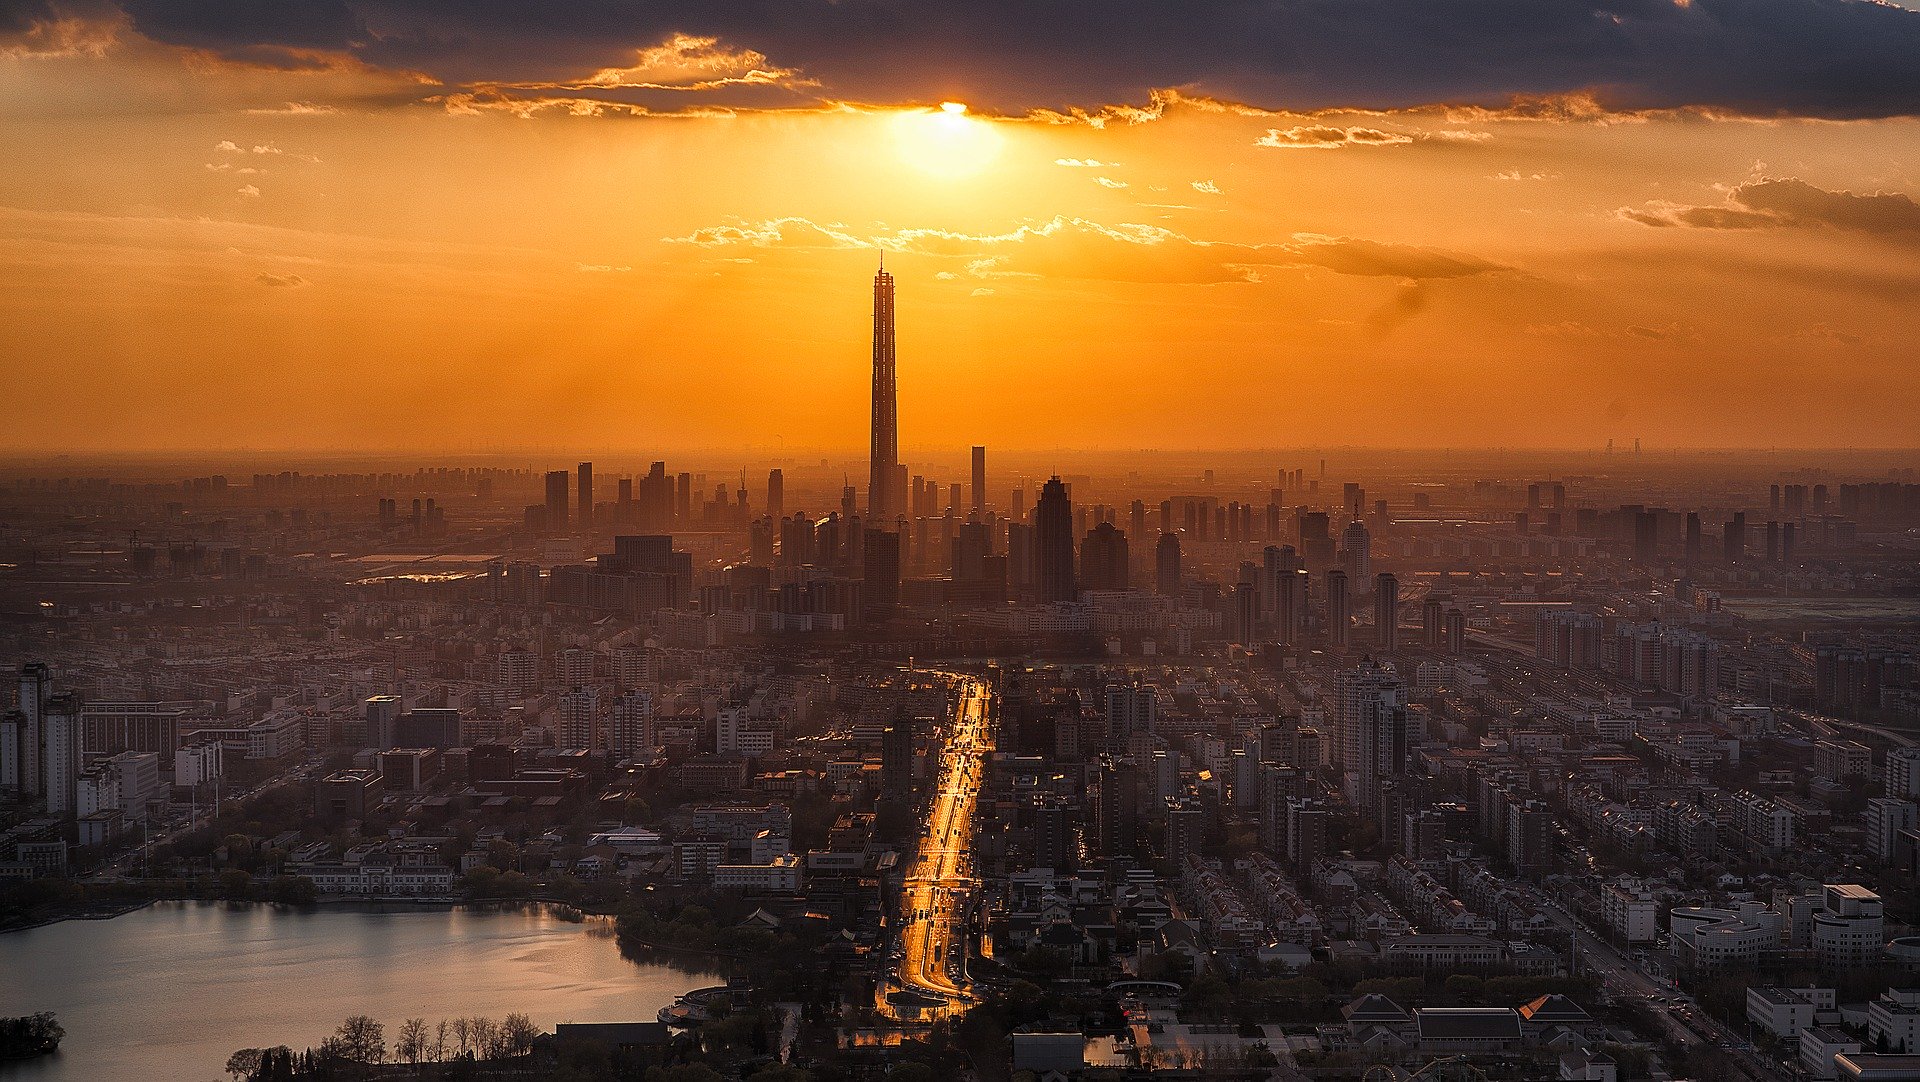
(883, 503)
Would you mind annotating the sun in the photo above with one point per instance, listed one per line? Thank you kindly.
(946, 142)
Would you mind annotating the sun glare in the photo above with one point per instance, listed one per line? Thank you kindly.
(946, 142)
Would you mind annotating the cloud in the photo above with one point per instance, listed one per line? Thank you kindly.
(600, 268)
(1326, 137)
(248, 191)
(1074, 59)
(1109, 182)
(294, 108)
(1332, 137)
(1206, 186)
(1785, 202)
(1084, 163)
(280, 281)
(228, 146)
(1077, 248)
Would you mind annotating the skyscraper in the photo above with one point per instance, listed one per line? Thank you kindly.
(1386, 611)
(880, 574)
(557, 501)
(1053, 542)
(1339, 609)
(586, 496)
(1103, 558)
(883, 502)
(1166, 559)
(979, 479)
(776, 495)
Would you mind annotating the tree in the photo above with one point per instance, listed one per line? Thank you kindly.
(244, 1063)
(519, 1032)
(362, 1040)
(236, 885)
(438, 1049)
(411, 1042)
(462, 1036)
(486, 1038)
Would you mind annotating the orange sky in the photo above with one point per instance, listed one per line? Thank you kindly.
(190, 259)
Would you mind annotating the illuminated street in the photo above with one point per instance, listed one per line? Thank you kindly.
(939, 879)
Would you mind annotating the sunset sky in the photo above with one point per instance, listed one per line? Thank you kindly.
(475, 225)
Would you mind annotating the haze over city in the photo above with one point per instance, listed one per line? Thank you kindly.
(892, 540)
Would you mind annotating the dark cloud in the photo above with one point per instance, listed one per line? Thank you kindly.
(1824, 58)
(1775, 203)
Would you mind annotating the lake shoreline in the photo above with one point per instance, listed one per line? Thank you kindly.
(389, 958)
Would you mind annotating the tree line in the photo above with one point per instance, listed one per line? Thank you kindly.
(361, 1042)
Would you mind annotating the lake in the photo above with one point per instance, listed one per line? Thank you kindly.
(170, 991)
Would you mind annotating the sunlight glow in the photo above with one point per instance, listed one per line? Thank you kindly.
(946, 142)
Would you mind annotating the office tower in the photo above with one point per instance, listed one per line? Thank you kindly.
(1166, 564)
(776, 495)
(979, 479)
(1432, 623)
(1786, 542)
(1103, 558)
(383, 717)
(557, 501)
(1339, 609)
(1773, 542)
(586, 496)
(880, 574)
(1456, 631)
(60, 755)
(683, 498)
(884, 500)
(1053, 542)
(1022, 563)
(1693, 537)
(1386, 611)
(1356, 550)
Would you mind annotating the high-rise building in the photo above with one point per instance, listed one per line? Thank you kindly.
(1456, 631)
(557, 501)
(1386, 611)
(1103, 558)
(1132, 713)
(36, 687)
(776, 495)
(880, 575)
(1356, 552)
(1053, 542)
(60, 754)
(1433, 628)
(1166, 564)
(586, 496)
(383, 718)
(979, 479)
(884, 502)
(1339, 609)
